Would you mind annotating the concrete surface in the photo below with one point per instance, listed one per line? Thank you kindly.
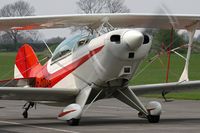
(106, 116)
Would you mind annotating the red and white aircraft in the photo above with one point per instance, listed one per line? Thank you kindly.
(87, 68)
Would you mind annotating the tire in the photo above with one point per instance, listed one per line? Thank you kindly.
(73, 122)
(25, 115)
(153, 118)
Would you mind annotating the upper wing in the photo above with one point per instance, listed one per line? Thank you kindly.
(130, 20)
(171, 87)
(37, 94)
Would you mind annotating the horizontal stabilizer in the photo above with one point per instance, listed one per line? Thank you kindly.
(18, 82)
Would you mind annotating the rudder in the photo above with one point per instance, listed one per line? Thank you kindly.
(26, 61)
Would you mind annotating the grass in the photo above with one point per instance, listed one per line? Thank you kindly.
(7, 61)
(192, 95)
(155, 73)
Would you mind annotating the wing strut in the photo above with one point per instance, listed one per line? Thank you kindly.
(48, 47)
(105, 26)
(184, 76)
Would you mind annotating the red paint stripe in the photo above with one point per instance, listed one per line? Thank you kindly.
(149, 110)
(28, 27)
(65, 113)
(43, 77)
(60, 74)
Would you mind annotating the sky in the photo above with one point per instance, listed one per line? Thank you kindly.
(56, 7)
(50, 7)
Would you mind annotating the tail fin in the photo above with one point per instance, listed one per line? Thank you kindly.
(26, 61)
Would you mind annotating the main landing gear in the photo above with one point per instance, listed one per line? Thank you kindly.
(151, 111)
(26, 107)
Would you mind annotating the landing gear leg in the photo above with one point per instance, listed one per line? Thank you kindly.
(26, 107)
(151, 111)
(73, 112)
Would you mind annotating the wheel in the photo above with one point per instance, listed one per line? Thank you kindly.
(153, 118)
(73, 122)
(25, 114)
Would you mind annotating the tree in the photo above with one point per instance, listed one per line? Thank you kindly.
(162, 39)
(116, 6)
(91, 6)
(102, 6)
(99, 6)
(19, 8)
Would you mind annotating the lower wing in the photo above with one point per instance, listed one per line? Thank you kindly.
(64, 94)
(23, 89)
(37, 94)
(170, 87)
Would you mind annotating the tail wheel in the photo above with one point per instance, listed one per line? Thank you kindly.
(153, 118)
(73, 122)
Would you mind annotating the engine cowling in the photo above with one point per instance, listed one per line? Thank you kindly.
(72, 111)
(154, 108)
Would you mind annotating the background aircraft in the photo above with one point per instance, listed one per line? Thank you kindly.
(93, 66)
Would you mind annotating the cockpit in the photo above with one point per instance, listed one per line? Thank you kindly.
(69, 45)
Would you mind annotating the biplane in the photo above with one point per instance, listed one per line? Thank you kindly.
(93, 66)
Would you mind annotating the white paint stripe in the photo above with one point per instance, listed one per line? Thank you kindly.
(38, 127)
(17, 73)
